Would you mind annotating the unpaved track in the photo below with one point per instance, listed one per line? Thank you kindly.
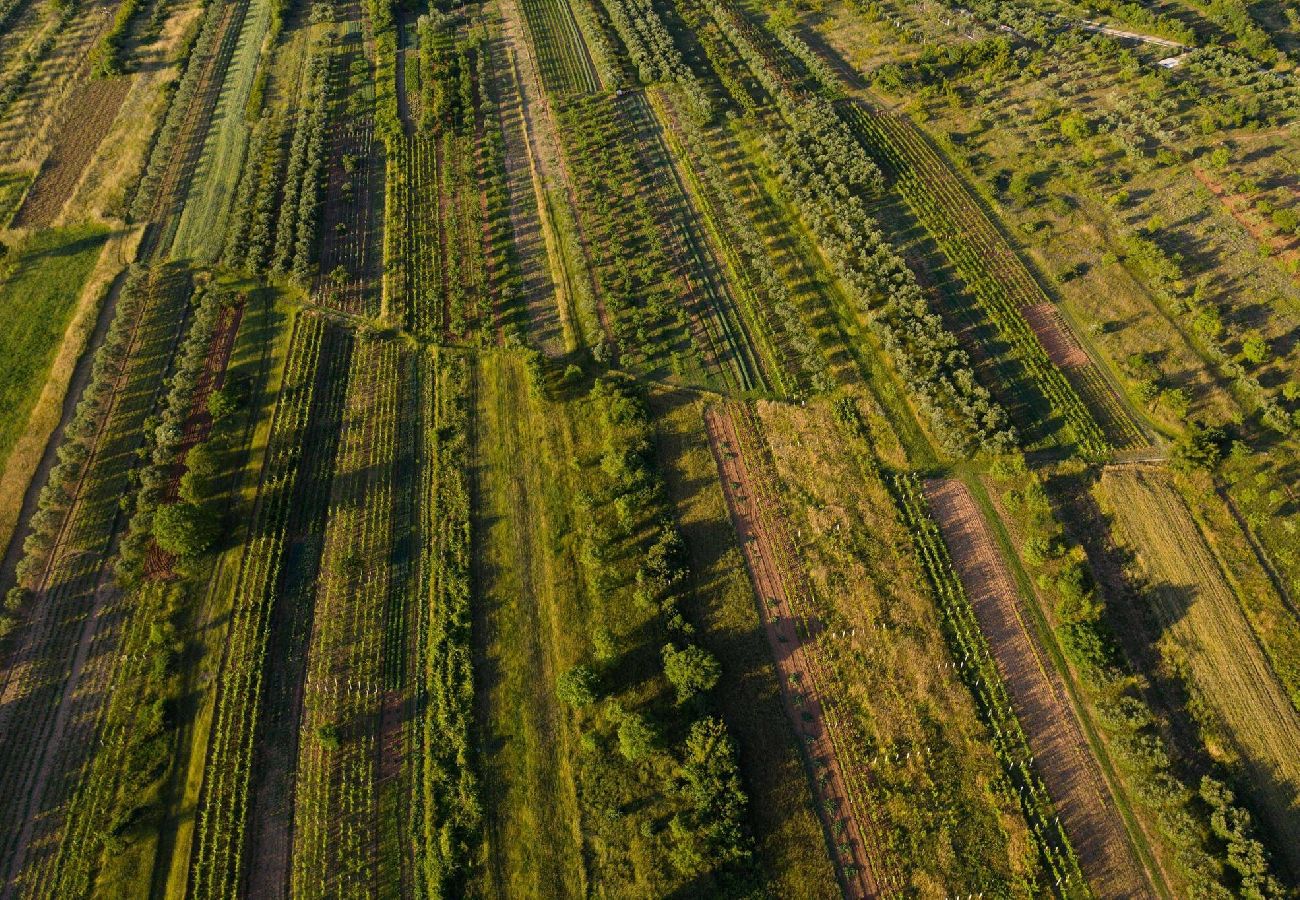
(1074, 780)
(788, 650)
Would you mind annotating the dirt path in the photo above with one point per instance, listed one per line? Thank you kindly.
(1073, 777)
(790, 654)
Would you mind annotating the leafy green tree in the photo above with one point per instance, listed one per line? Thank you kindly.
(577, 687)
(1254, 348)
(184, 529)
(636, 737)
(691, 670)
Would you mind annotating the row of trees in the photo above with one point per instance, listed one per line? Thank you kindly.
(654, 53)
(185, 528)
(299, 221)
(938, 373)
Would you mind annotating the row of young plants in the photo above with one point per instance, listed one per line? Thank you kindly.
(970, 649)
(981, 259)
(446, 788)
(655, 55)
(919, 768)
(1213, 839)
(770, 308)
(349, 248)
(561, 50)
(335, 798)
(222, 812)
(67, 581)
(646, 686)
(256, 204)
(718, 321)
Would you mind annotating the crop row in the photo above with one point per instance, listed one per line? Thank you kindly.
(561, 52)
(970, 649)
(334, 814)
(447, 783)
(654, 53)
(982, 259)
(223, 803)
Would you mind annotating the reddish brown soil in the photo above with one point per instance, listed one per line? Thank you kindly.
(790, 651)
(1062, 346)
(1062, 756)
(87, 117)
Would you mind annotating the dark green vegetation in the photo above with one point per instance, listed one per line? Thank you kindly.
(649, 448)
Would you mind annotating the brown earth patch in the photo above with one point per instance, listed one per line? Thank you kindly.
(88, 116)
(1062, 347)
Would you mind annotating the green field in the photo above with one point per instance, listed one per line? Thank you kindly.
(42, 280)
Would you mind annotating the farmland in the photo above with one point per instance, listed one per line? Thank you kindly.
(649, 448)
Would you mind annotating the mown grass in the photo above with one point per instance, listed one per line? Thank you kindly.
(526, 607)
(39, 286)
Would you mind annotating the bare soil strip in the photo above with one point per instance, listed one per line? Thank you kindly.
(1062, 347)
(1073, 778)
(789, 651)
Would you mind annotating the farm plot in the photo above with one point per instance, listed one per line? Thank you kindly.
(1073, 779)
(911, 721)
(990, 269)
(559, 48)
(643, 313)
(351, 251)
(335, 814)
(57, 679)
(789, 626)
(715, 313)
(286, 486)
(87, 117)
(978, 668)
(1196, 617)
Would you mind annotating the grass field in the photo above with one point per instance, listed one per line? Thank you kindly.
(42, 280)
(1199, 626)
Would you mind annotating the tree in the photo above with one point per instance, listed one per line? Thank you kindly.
(636, 737)
(1254, 348)
(184, 529)
(1200, 448)
(577, 687)
(691, 670)
(222, 403)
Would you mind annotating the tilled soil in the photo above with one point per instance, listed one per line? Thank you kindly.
(88, 116)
